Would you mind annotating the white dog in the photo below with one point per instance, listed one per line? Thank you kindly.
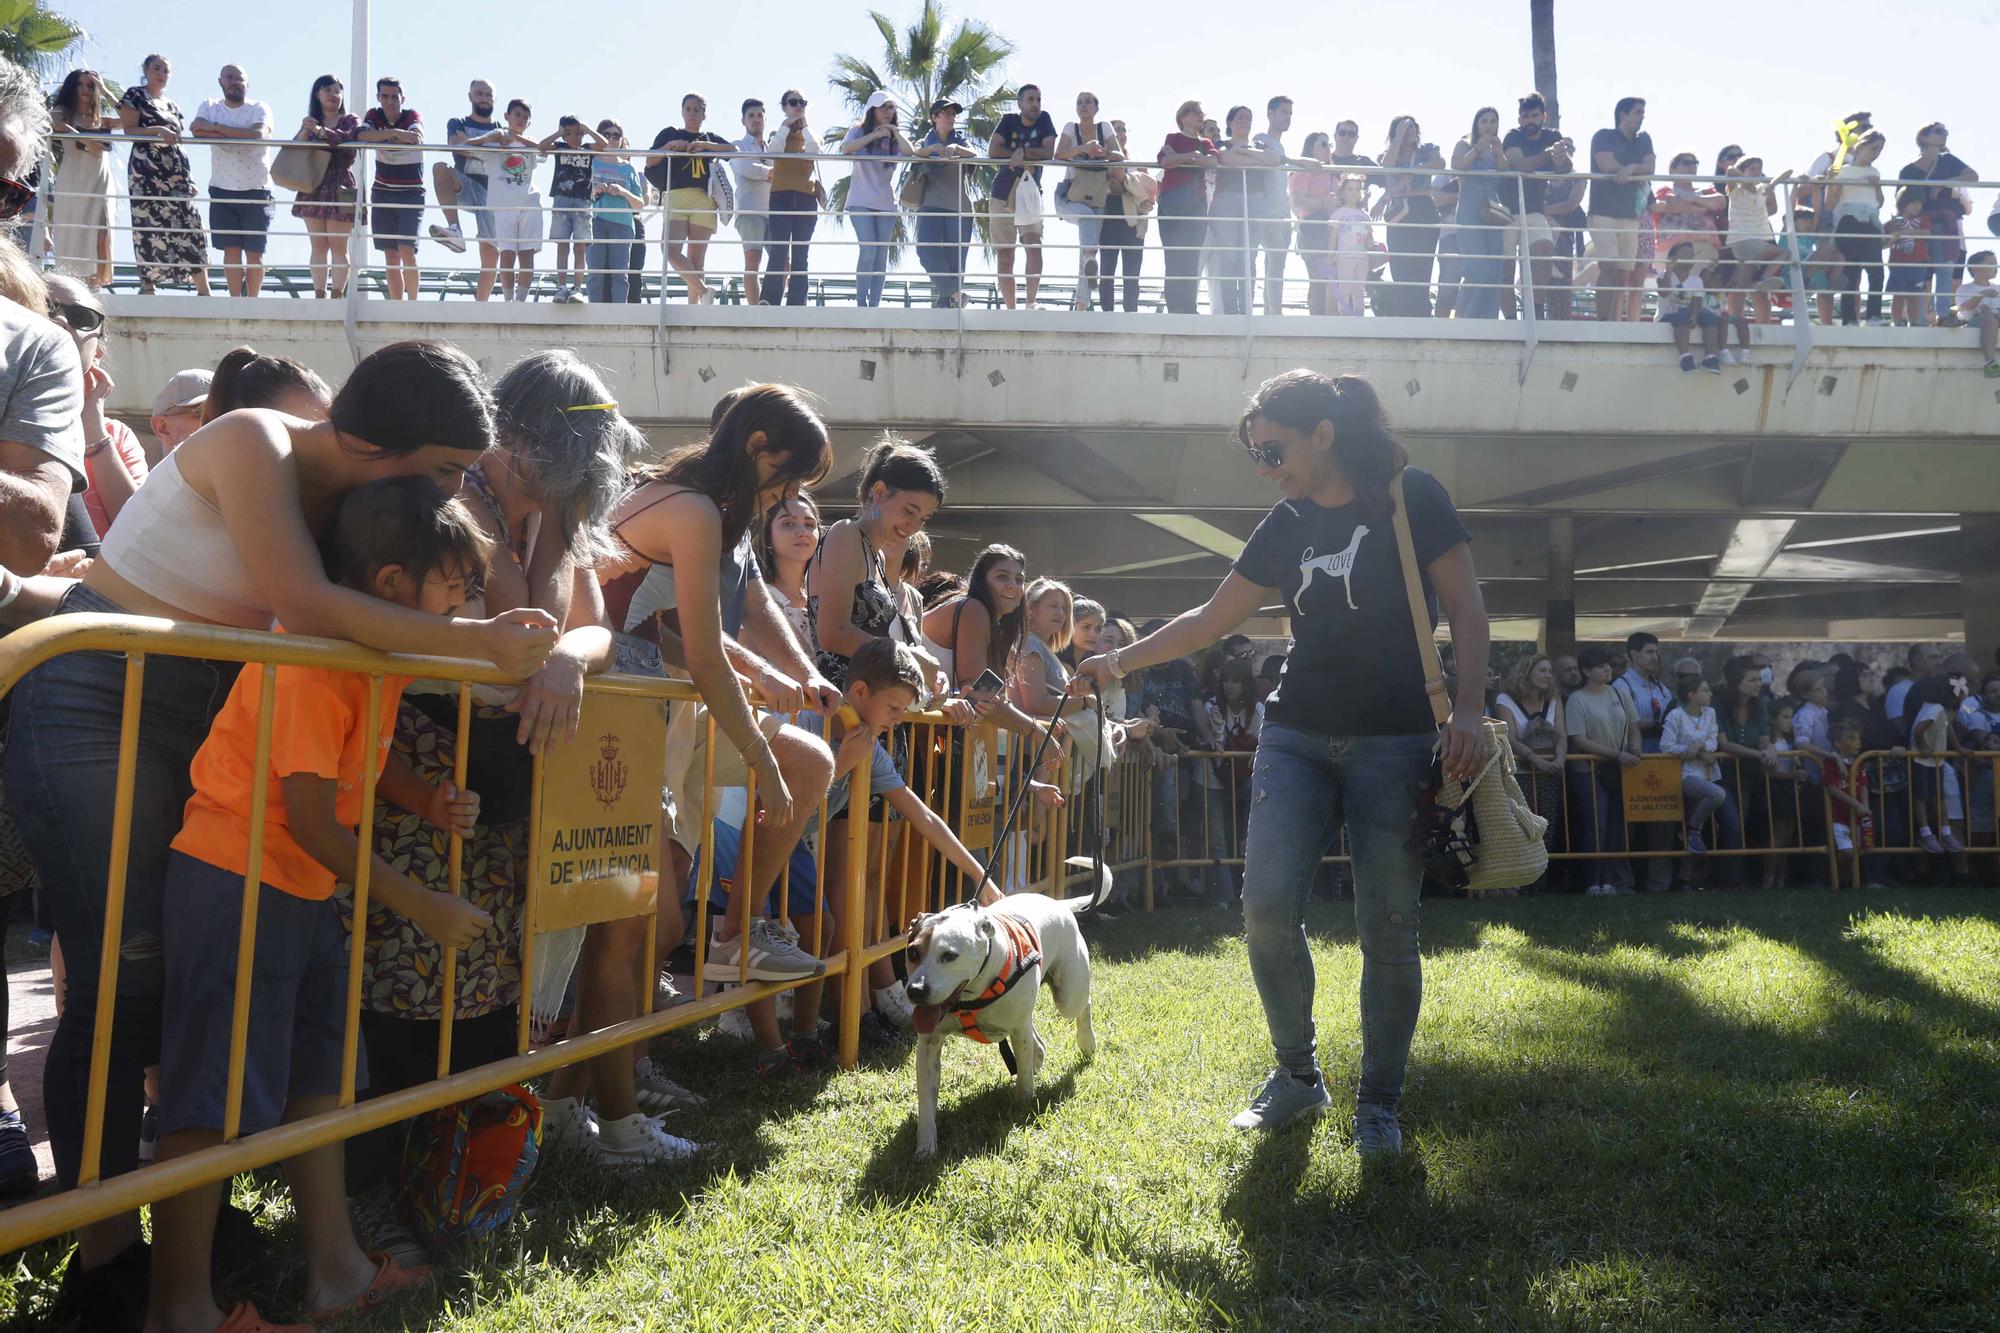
(974, 971)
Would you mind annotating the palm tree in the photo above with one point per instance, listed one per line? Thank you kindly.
(1542, 37)
(918, 66)
(35, 37)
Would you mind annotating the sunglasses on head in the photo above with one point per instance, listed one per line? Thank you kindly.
(14, 196)
(81, 319)
(1265, 455)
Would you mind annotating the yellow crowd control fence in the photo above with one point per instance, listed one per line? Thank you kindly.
(598, 855)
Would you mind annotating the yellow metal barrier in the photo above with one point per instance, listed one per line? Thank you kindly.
(140, 638)
(1895, 811)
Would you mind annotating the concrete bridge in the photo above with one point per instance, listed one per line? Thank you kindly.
(1849, 489)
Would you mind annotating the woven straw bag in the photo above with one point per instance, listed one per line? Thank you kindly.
(1506, 833)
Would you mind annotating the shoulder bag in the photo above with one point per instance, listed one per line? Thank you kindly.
(301, 167)
(1480, 834)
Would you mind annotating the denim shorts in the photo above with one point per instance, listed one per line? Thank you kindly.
(472, 199)
(239, 219)
(569, 219)
(298, 999)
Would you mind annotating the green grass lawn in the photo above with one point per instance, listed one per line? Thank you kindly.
(1778, 1110)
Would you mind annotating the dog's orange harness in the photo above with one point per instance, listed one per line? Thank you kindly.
(1024, 951)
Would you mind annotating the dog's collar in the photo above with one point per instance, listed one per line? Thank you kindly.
(1024, 952)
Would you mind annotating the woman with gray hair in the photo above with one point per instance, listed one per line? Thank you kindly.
(543, 493)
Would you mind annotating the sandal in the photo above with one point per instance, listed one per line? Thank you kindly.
(391, 1280)
(245, 1319)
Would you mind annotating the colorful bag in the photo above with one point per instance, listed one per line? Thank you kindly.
(465, 1166)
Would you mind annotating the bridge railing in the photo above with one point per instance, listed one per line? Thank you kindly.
(1419, 241)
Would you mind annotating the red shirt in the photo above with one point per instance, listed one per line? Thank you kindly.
(1176, 177)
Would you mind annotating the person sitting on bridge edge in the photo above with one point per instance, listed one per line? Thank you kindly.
(1978, 304)
(400, 539)
(1683, 307)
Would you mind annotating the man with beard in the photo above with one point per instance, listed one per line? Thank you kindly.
(461, 183)
(239, 184)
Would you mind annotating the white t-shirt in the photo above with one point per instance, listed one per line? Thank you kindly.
(1976, 300)
(753, 179)
(233, 164)
(1858, 198)
(1678, 293)
(1933, 742)
(1747, 219)
(510, 175)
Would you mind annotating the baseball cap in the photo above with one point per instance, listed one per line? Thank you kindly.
(1687, 666)
(945, 104)
(188, 388)
(877, 98)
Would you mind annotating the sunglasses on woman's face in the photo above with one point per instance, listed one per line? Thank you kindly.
(82, 320)
(14, 196)
(795, 101)
(1266, 455)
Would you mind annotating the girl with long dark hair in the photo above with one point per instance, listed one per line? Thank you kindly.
(686, 589)
(328, 211)
(1348, 728)
(81, 211)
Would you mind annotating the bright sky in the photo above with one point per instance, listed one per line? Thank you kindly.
(1776, 86)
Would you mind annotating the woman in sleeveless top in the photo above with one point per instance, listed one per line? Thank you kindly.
(1531, 708)
(544, 496)
(853, 592)
(784, 552)
(693, 518)
(225, 531)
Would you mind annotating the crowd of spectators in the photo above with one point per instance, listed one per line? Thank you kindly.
(422, 507)
(1757, 754)
(1419, 229)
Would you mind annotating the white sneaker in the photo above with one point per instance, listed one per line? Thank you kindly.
(658, 1093)
(449, 237)
(578, 296)
(568, 1126)
(893, 1003)
(734, 1024)
(773, 957)
(637, 1140)
(1598, 891)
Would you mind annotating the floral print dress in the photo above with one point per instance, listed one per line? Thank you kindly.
(167, 235)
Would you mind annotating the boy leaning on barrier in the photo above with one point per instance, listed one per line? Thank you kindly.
(1977, 302)
(402, 540)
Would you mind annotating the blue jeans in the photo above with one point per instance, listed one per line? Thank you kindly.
(941, 252)
(1479, 248)
(61, 774)
(1597, 822)
(787, 238)
(1183, 228)
(1303, 785)
(610, 251)
(1229, 257)
(876, 231)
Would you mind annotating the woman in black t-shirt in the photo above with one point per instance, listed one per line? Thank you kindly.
(1348, 733)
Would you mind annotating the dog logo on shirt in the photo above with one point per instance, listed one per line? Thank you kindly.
(1340, 565)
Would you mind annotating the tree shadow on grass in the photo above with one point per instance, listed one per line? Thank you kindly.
(968, 1127)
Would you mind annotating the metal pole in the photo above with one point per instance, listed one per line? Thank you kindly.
(1802, 334)
(357, 241)
(1530, 330)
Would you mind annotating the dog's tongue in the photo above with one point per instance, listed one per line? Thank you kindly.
(926, 1017)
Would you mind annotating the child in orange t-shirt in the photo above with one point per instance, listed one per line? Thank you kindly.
(403, 540)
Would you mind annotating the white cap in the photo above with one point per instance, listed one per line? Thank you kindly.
(878, 98)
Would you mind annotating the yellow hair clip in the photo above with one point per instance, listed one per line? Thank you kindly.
(593, 407)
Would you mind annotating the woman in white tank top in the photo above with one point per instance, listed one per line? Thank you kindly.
(236, 518)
